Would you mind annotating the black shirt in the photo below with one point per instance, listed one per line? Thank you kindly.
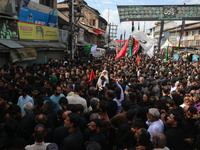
(74, 141)
(175, 138)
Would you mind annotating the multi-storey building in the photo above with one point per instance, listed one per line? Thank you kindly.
(90, 26)
(29, 31)
(172, 30)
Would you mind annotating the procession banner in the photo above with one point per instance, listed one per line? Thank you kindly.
(158, 12)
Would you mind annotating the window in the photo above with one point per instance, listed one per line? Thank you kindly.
(92, 22)
(186, 33)
(192, 33)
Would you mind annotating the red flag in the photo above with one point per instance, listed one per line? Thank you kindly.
(137, 60)
(135, 47)
(92, 76)
(122, 51)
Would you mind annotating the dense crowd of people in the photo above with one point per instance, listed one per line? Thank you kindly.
(152, 105)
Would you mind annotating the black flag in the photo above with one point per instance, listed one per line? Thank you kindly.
(161, 31)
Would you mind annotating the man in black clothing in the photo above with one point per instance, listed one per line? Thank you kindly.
(96, 135)
(74, 141)
(61, 132)
(48, 111)
(129, 140)
(165, 92)
(174, 135)
(112, 105)
(11, 140)
(27, 123)
(125, 130)
(131, 97)
(4, 106)
(189, 128)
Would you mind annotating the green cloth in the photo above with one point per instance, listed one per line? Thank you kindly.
(130, 51)
(53, 79)
(88, 49)
(167, 57)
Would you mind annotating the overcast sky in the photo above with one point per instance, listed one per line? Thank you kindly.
(108, 10)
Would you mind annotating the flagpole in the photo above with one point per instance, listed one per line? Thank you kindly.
(181, 34)
(161, 31)
(124, 35)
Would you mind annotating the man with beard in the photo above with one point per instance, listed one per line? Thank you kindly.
(174, 134)
(96, 135)
(56, 97)
(154, 122)
(74, 141)
(190, 128)
(143, 139)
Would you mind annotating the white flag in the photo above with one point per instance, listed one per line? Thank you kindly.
(145, 41)
(93, 49)
(151, 52)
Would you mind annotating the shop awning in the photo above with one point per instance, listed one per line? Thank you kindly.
(42, 44)
(10, 43)
(18, 55)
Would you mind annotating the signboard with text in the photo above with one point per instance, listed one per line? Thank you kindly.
(36, 17)
(158, 12)
(34, 32)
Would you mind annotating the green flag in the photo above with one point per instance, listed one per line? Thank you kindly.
(88, 49)
(130, 51)
(167, 57)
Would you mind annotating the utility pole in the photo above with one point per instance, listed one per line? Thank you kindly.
(109, 25)
(113, 31)
(71, 43)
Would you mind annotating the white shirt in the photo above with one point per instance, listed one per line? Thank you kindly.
(76, 99)
(165, 148)
(37, 146)
(155, 127)
(22, 101)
